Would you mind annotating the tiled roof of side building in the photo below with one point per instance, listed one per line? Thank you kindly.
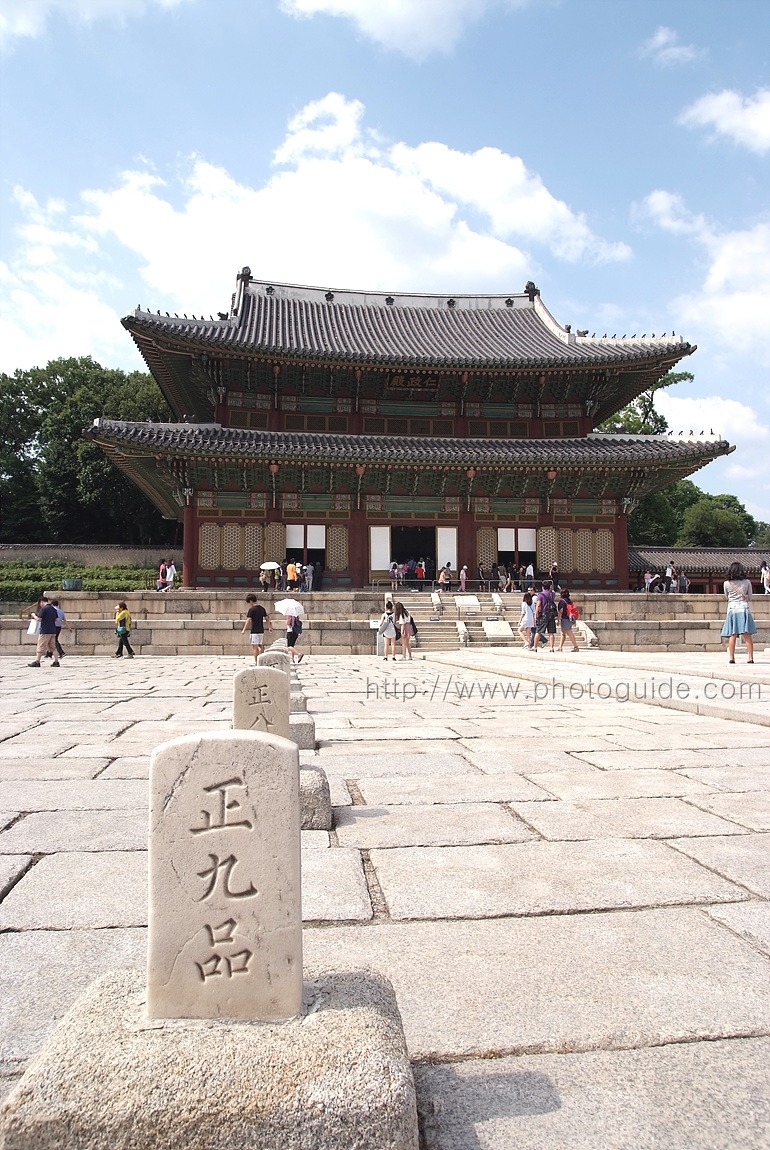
(464, 331)
(211, 439)
(704, 560)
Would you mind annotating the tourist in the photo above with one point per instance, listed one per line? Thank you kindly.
(682, 583)
(123, 631)
(764, 575)
(291, 575)
(545, 617)
(256, 618)
(553, 575)
(419, 573)
(308, 577)
(529, 577)
(293, 632)
(170, 575)
(655, 583)
(387, 629)
(161, 582)
(46, 639)
(445, 578)
(647, 579)
(739, 620)
(565, 609)
(318, 575)
(669, 576)
(393, 576)
(403, 623)
(502, 577)
(527, 621)
(62, 621)
(463, 579)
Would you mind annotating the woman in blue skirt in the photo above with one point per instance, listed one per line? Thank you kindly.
(739, 620)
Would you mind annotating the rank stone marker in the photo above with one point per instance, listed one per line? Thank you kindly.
(275, 659)
(225, 929)
(261, 700)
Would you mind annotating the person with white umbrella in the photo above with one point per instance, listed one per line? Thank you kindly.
(293, 610)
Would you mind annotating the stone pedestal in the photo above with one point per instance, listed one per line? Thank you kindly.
(302, 730)
(315, 799)
(108, 1078)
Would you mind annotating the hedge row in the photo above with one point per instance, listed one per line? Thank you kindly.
(24, 582)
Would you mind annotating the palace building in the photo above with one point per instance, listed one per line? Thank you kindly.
(352, 428)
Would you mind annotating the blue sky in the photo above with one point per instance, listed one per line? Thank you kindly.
(615, 151)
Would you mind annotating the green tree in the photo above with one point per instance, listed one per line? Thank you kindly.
(653, 522)
(640, 417)
(708, 524)
(82, 497)
(22, 405)
(762, 535)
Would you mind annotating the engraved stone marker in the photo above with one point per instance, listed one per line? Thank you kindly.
(277, 659)
(261, 701)
(225, 935)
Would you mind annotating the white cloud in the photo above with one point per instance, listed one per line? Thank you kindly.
(729, 418)
(30, 17)
(732, 306)
(341, 209)
(417, 28)
(744, 120)
(665, 49)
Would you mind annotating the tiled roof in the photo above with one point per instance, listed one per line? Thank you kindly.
(402, 329)
(211, 439)
(701, 560)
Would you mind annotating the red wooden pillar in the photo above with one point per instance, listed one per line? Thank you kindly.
(358, 549)
(189, 547)
(621, 551)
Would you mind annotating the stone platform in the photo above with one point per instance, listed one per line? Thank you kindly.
(569, 893)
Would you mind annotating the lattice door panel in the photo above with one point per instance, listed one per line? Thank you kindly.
(208, 546)
(605, 550)
(337, 547)
(546, 547)
(584, 551)
(253, 551)
(231, 546)
(275, 542)
(486, 546)
(565, 549)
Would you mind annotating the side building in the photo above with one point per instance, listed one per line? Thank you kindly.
(353, 428)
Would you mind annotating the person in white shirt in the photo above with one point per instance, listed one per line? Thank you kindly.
(170, 575)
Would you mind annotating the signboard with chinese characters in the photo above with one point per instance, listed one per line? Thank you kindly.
(225, 937)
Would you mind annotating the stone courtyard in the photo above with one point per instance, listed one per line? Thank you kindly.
(569, 889)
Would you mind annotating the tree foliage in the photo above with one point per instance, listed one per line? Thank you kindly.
(640, 417)
(54, 484)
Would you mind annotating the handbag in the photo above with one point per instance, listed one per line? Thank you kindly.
(34, 627)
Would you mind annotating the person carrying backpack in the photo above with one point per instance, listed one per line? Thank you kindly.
(545, 617)
(568, 613)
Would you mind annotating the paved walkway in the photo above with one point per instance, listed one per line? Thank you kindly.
(570, 894)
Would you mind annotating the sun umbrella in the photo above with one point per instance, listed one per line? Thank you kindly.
(269, 566)
(290, 607)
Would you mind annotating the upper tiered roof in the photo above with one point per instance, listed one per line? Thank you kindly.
(462, 331)
(275, 322)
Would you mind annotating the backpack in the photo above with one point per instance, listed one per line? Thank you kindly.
(297, 627)
(573, 612)
(549, 609)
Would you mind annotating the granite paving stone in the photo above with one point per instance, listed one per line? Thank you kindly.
(434, 825)
(81, 890)
(40, 767)
(65, 794)
(371, 761)
(334, 887)
(742, 859)
(617, 784)
(750, 920)
(501, 756)
(750, 808)
(125, 767)
(43, 972)
(472, 788)
(692, 1096)
(621, 818)
(541, 878)
(394, 733)
(11, 866)
(51, 831)
(564, 982)
(752, 777)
